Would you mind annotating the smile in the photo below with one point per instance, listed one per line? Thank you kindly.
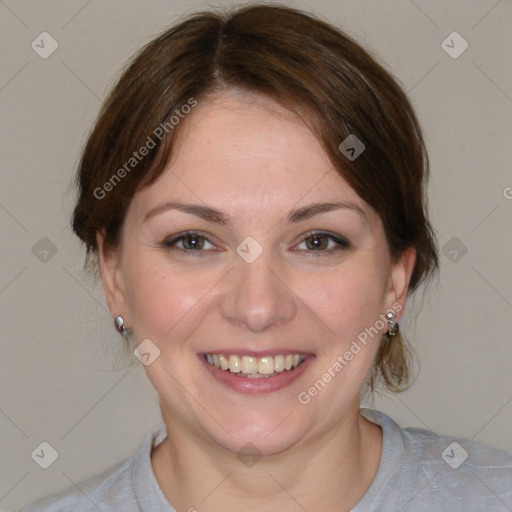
(255, 367)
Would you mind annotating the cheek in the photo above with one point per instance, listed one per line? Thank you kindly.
(348, 302)
(161, 299)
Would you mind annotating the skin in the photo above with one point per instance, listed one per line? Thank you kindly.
(248, 157)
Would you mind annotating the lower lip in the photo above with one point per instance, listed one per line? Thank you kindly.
(258, 385)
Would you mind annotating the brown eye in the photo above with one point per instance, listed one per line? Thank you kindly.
(190, 242)
(317, 242)
(324, 242)
(193, 242)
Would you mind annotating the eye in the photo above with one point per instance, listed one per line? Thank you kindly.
(314, 241)
(191, 242)
(323, 241)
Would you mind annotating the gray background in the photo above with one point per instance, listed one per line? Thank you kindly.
(59, 381)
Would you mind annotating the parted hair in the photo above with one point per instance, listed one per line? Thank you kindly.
(307, 65)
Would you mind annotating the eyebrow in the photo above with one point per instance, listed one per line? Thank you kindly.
(296, 215)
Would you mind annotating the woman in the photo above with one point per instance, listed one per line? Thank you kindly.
(253, 195)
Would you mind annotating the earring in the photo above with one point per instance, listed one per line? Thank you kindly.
(393, 326)
(119, 324)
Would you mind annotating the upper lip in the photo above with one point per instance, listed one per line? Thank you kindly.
(257, 353)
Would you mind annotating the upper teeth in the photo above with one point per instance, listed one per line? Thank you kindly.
(253, 365)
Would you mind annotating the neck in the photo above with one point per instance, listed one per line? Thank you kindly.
(331, 472)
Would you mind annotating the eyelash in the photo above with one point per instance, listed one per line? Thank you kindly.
(342, 244)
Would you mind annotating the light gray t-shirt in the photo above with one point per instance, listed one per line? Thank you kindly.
(419, 471)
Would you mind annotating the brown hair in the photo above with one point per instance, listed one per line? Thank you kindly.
(308, 66)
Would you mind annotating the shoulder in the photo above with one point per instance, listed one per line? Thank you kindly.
(95, 493)
(425, 469)
(128, 486)
(435, 449)
(442, 450)
(461, 469)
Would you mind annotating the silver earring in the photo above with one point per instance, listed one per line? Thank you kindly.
(393, 326)
(119, 323)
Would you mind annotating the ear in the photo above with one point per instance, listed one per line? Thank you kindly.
(113, 285)
(399, 280)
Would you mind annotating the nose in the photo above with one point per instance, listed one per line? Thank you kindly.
(258, 296)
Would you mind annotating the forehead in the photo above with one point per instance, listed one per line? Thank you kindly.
(239, 151)
(247, 133)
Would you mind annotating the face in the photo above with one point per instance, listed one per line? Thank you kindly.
(225, 260)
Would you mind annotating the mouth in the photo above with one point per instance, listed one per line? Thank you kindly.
(256, 374)
(255, 367)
